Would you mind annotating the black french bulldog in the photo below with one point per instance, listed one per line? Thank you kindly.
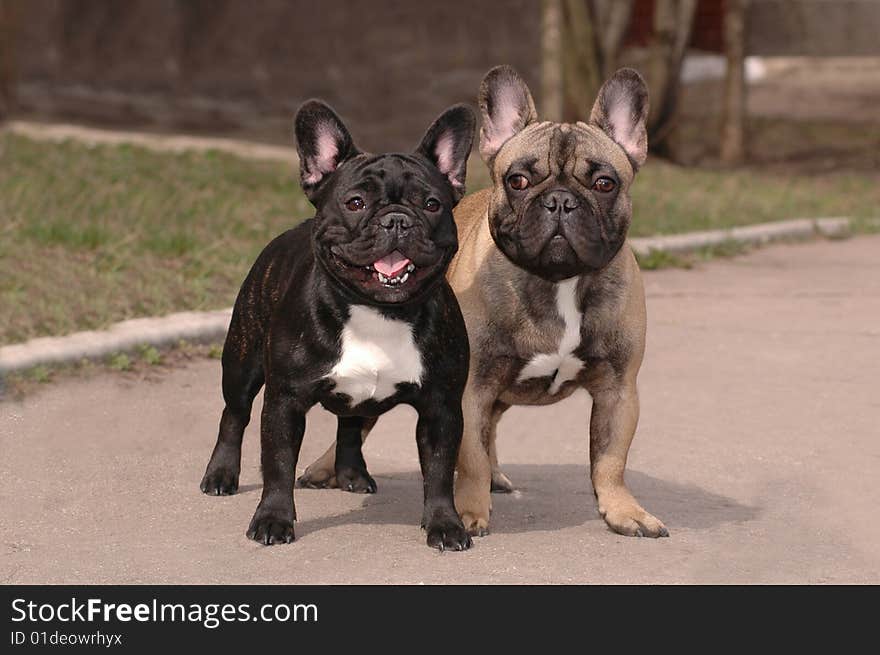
(352, 310)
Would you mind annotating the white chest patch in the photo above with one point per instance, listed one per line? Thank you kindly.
(377, 354)
(562, 364)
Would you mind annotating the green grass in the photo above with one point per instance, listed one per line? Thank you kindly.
(150, 355)
(94, 235)
(120, 362)
(656, 259)
(40, 374)
(668, 198)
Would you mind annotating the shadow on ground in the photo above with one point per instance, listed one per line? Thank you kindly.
(548, 497)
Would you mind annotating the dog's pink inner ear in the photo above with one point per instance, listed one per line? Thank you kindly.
(445, 156)
(327, 154)
(506, 118)
(621, 110)
(627, 131)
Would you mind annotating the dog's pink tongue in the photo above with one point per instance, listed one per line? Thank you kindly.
(391, 264)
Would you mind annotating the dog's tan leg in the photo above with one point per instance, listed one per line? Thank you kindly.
(612, 426)
(501, 484)
(321, 474)
(474, 480)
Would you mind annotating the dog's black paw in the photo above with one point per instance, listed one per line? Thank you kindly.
(268, 529)
(447, 533)
(356, 481)
(220, 481)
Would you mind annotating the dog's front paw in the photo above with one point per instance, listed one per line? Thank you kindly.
(446, 532)
(219, 481)
(269, 528)
(474, 504)
(317, 477)
(477, 526)
(356, 481)
(625, 516)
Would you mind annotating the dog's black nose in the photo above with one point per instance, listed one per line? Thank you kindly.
(559, 198)
(396, 221)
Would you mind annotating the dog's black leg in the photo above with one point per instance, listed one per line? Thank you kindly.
(242, 380)
(351, 469)
(283, 424)
(438, 434)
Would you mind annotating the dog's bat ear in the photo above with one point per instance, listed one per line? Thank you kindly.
(507, 107)
(322, 142)
(447, 144)
(621, 111)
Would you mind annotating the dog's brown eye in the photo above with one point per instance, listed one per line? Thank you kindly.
(432, 205)
(518, 182)
(355, 204)
(604, 185)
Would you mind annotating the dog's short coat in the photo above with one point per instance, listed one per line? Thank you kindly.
(351, 310)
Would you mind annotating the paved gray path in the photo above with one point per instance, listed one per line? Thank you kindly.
(759, 446)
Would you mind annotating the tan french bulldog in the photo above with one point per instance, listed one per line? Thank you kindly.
(551, 294)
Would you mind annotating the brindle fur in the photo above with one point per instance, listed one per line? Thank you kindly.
(511, 313)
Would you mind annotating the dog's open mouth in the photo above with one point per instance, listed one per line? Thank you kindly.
(393, 269)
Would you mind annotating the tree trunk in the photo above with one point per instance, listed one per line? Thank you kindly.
(733, 118)
(551, 60)
(611, 18)
(580, 71)
(673, 20)
(593, 31)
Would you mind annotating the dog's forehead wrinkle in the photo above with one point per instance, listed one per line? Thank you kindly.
(366, 183)
(595, 142)
(393, 161)
(530, 136)
(523, 163)
(563, 147)
(394, 174)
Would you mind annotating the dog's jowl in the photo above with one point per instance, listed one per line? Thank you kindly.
(352, 310)
(551, 294)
